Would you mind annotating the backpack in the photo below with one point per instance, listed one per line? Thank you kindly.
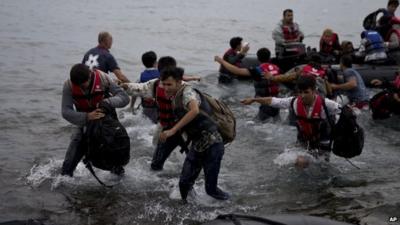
(222, 115)
(108, 142)
(380, 105)
(370, 21)
(347, 137)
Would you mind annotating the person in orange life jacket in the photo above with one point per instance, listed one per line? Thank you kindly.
(392, 40)
(85, 90)
(101, 58)
(287, 31)
(154, 89)
(372, 47)
(311, 117)
(329, 44)
(206, 148)
(263, 87)
(353, 87)
(234, 56)
(394, 87)
(151, 72)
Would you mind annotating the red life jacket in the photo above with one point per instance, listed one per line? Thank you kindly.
(290, 32)
(165, 109)
(396, 82)
(396, 31)
(309, 70)
(327, 43)
(273, 87)
(88, 103)
(309, 126)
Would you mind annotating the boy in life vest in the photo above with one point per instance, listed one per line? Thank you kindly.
(193, 119)
(392, 40)
(149, 60)
(287, 31)
(311, 117)
(263, 87)
(393, 88)
(153, 89)
(81, 96)
(234, 56)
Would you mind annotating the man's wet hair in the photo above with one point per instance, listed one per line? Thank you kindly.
(166, 61)
(346, 61)
(175, 72)
(103, 36)
(149, 58)
(235, 42)
(263, 55)
(287, 11)
(305, 82)
(79, 74)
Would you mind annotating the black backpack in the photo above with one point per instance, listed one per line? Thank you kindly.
(347, 137)
(108, 142)
(370, 21)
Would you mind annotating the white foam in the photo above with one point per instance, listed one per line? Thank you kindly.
(289, 156)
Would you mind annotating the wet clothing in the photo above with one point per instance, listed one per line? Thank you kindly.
(206, 149)
(149, 105)
(234, 58)
(100, 58)
(359, 94)
(118, 98)
(154, 90)
(312, 123)
(87, 102)
(265, 88)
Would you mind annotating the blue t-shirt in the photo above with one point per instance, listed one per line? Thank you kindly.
(149, 74)
(101, 59)
(358, 94)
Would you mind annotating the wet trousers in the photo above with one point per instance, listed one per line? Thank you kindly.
(75, 152)
(208, 160)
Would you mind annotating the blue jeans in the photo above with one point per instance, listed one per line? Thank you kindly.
(210, 161)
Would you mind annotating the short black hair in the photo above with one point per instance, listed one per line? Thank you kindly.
(79, 74)
(175, 72)
(346, 61)
(235, 42)
(149, 58)
(305, 82)
(263, 55)
(393, 2)
(166, 61)
(287, 11)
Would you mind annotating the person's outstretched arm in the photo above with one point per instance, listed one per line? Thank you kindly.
(231, 68)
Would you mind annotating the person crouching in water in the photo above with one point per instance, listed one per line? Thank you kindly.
(207, 148)
(311, 117)
(85, 90)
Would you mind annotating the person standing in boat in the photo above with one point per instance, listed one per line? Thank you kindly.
(353, 87)
(392, 41)
(310, 116)
(287, 31)
(100, 57)
(234, 56)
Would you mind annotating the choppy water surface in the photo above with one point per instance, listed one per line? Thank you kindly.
(40, 40)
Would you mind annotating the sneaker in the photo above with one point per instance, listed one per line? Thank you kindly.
(220, 195)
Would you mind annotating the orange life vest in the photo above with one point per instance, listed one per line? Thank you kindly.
(88, 102)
